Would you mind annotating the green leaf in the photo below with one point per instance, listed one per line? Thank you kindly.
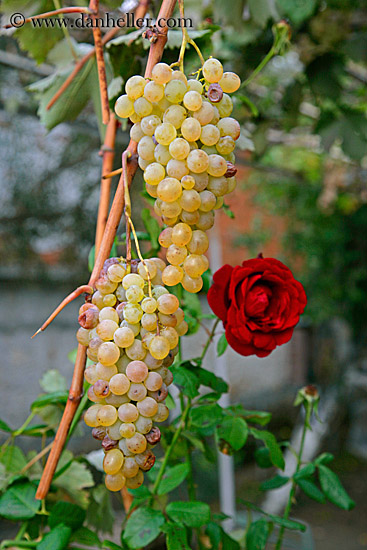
(206, 416)
(86, 537)
(3, 477)
(219, 538)
(52, 381)
(287, 523)
(333, 489)
(100, 514)
(310, 489)
(257, 535)
(54, 398)
(192, 514)
(111, 545)
(234, 431)
(261, 11)
(73, 100)
(176, 537)
(274, 483)
(152, 227)
(173, 478)
(211, 380)
(324, 458)
(222, 345)
(67, 513)
(74, 478)
(57, 539)
(185, 380)
(4, 427)
(270, 442)
(262, 458)
(297, 12)
(19, 503)
(257, 417)
(13, 459)
(91, 257)
(306, 471)
(142, 527)
(191, 304)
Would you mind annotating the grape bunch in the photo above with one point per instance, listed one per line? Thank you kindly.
(186, 138)
(131, 329)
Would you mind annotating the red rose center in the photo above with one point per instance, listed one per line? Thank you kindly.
(257, 300)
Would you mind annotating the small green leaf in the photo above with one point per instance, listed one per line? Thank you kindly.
(297, 12)
(257, 535)
(262, 458)
(86, 537)
(52, 381)
(222, 345)
(304, 472)
(274, 483)
(68, 514)
(57, 539)
(192, 514)
(324, 458)
(142, 527)
(310, 489)
(333, 489)
(185, 380)
(91, 258)
(13, 459)
(233, 431)
(100, 514)
(211, 380)
(287, 523)
(54, 398)
(4, 427)
(19, 502)
(206, 416)
(176, 537)
(173, 478)
(270, 442)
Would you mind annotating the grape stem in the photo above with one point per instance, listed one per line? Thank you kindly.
(76, 388)
(185, 40)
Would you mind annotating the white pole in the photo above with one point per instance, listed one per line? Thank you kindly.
(227, 491)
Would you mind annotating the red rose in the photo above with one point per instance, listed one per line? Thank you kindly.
(259, 303)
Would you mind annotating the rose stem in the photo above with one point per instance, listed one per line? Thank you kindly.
(76, 388)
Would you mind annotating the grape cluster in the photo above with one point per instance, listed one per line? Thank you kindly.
(186, 138)
(131, 329)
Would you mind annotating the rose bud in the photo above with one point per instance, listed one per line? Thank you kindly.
(89, 317)
(109, 443)
(154, 436)
(231, 170)
(99, 433)
(215, 93)
(145, 460)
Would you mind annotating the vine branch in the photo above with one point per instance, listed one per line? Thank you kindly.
(101, 66)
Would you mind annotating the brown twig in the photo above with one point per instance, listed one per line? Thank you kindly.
(127, 499)
(36, 458)
(77, 292)
(50, 14)
(155, 54)
(111, 174)
(101, 65)
(107, 165)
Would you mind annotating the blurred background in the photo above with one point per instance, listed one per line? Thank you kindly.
(301, 197)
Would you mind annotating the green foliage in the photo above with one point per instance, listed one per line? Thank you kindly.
(142, 527)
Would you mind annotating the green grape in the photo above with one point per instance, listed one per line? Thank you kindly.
(142, 107)
(195, 85)
(171, 335)
(165, 238)
(146, 148)
(219, 203)
(117, 400)
(208, 201)
(130, 468)
(198, 161)
(161, 73)
(136, 133)
(225, 106)
(165, 133)
(169, 190)
(176, 254)
(105, 372)
(105, 286)
(108, 313)
(134, 86)
(230, 82)
(134, 327)
(199, 243)
(134, 294)
(177, 169)
(216, 116)
(136, 481)
(192, 100)
(124, 107)
(218, 186)
(151, 190)
(148, 407)
(108, 353)
(190, 200)
(149, 305)
(132, 313)
(136, 351)
(169, 221)
(153, 382)
(229, 127)
(143, 164)
(154, 173)
(191, 218)
(158, 291)
(109, 300)
(113, 461)
(149, 321)
(115, 482)
(179, 148)
(181, 234)
(106, 415)
(137, 392)
(179, 75)
(209, 135)
(159, 347)
(137, 443)
(191, 129)
(172, 275)
(82, 336)
(153, 91)
(175, 91)
(201, 181)
(225, 145)
(127, 429)
(119, 384)
(181, 330)
(134, 118)
(148, 266)
(114, 431)
(205, 221)
(97, 299)
(137, 371)
(188, 182)
(168, 304)
(194, 266)
(162, 413)
(132, 279)
(192, 285)
(148, 125)
(205, 114)
(128, 413)
(217, 166)
(170, 209)
(143, 424)
(162, 154)
(90, 416)
(212, 70)
(175, 115)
